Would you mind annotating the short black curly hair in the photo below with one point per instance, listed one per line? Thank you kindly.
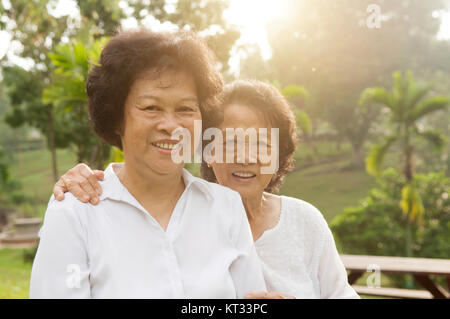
(274, 107)
(129, 53)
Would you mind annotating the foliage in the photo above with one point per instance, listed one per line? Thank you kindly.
(24, 89)
(9, 187)
(407, 103)
(377, 226)
(67, 93)
(327, 47)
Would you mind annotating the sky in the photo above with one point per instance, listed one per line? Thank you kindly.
(249, 16)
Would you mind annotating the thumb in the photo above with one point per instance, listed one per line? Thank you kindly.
(99, 174)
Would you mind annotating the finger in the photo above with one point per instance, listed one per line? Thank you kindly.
(274, 295)
(58, 190)
(89, 190)
(78, 192)
(87, 173)
(256, 295)
(99, 174)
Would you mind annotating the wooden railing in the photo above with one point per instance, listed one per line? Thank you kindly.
(420, 268)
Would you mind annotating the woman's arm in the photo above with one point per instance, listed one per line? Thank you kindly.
(332, 274)
(246, 270)
(60, 268)
(82, 182)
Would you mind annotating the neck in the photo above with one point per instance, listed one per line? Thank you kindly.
(151, 185)
(255, 206)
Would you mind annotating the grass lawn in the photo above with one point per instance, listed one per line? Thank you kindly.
(329, 187)
(33, 170)
(14, 274)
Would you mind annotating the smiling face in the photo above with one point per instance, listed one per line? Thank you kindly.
(245, 178)
(154, 108)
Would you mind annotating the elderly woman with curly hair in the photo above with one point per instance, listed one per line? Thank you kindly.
(156, 231)
(293, 240)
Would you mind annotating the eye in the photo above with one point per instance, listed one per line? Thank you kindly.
(151, 108)
(186, 109)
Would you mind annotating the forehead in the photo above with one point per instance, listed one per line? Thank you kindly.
(244, 116)
(160, 82)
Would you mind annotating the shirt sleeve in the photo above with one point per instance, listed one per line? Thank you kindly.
(332, 274)
(60, 268)
(246, 269)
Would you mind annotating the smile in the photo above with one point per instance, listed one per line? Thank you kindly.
(165, 146)
(243, 175)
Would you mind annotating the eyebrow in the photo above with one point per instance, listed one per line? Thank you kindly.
(149, 96)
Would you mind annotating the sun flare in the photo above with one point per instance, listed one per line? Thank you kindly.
(251, 17)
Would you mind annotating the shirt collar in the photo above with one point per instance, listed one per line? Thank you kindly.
(201, 184)
(113, 188)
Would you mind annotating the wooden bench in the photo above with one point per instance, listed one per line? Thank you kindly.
(393, 292)
(419, 268)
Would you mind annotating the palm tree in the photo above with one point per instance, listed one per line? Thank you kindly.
(408, 103)
(67, 93)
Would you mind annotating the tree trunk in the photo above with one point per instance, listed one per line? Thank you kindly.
(358, 156)
(51, 142)
(338, 145)
(408, 171)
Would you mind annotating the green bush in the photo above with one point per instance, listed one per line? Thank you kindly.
(377, 226)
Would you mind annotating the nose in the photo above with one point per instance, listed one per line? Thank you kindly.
(169, 123)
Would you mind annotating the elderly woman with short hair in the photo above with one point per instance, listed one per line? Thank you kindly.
(293, 240)
(157, 231)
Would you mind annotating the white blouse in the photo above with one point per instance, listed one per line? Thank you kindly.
(299, 256)
(116, 249)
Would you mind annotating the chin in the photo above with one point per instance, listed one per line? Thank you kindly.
(244, 191)
(165, 167)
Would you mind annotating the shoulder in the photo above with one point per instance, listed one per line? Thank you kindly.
(304, 216)
(218, 192)
(69, 212)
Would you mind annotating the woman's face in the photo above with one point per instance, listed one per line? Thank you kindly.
(245, 178)
(154, 108)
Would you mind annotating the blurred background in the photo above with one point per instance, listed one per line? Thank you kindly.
(368, 81)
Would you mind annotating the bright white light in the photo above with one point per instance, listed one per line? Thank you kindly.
(444, 33)
(60, 8)
(251, 16)
(5, 39)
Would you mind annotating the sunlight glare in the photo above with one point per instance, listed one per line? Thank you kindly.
(251, 17)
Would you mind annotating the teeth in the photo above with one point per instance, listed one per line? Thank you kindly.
(166, 146)
(241, 174)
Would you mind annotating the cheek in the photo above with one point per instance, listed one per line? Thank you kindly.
(221, 172)
(265, 179)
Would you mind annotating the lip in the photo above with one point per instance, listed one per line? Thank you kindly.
(243, 179)
(164, 151)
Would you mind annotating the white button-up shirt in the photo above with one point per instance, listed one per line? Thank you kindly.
(116, 249)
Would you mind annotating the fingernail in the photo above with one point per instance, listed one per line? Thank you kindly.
(85, 198)
(95, 201)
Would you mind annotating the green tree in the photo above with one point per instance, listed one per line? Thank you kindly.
(38, 31)
(296, 95)
(327, 47)
(67, 94)
(377, 225)
(408, 103)
(24, 89)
